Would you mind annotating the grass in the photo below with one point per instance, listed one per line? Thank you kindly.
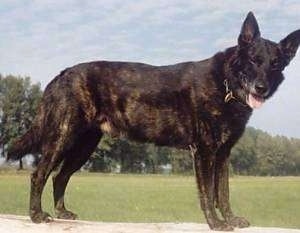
(153, 198)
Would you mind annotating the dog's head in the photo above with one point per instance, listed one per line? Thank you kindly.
(255, 69)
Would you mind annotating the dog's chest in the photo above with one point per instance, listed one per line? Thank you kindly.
(232, 124)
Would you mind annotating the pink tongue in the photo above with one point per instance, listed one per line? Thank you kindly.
(255, 102)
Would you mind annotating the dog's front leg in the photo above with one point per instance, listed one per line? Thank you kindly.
(222, 190)
(204, 163)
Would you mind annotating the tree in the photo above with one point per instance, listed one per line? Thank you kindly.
(19, 100)
(132, 157)
(181, 161)
(103, 160)
(155, 157)
(243, 157)
(258, 153)
(2, 144)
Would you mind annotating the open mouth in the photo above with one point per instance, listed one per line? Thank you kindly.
(254, 101)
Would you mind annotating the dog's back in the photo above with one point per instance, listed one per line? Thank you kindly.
(138, 101)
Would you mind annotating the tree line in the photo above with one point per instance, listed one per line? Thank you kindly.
(256, 153)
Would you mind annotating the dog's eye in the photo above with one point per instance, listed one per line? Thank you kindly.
(276, 65)
(252, 61)
(257, 60)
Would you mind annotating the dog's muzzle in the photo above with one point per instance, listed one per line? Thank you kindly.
(257, 94)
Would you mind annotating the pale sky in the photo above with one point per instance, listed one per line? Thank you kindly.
(42, 37)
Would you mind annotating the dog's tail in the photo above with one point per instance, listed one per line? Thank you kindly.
(29, 142)
(26, 144)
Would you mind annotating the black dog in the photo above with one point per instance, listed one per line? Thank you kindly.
(202, 106)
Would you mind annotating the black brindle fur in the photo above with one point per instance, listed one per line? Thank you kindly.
(202, 106)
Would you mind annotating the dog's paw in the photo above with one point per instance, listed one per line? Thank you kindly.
(65, 214)
(239, 222)
(221, 226)
(39, 217)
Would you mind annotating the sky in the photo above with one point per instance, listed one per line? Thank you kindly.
(41, 38)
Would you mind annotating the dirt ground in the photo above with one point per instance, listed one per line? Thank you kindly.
(22, 224)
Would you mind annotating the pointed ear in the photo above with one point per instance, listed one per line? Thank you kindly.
(289, 45)
(249, 32)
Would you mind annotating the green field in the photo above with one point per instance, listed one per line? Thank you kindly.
(153, 198)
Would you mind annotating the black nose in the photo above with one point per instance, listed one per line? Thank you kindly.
(261, 88)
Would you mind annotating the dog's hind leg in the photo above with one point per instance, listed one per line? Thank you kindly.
(75, 158)
(204, 164)
(59, 136)
(49, 160)
(222, 190)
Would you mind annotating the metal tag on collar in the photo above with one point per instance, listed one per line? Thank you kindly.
(229, 94)
(228, 97)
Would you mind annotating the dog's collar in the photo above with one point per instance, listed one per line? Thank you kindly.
(229, 94)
